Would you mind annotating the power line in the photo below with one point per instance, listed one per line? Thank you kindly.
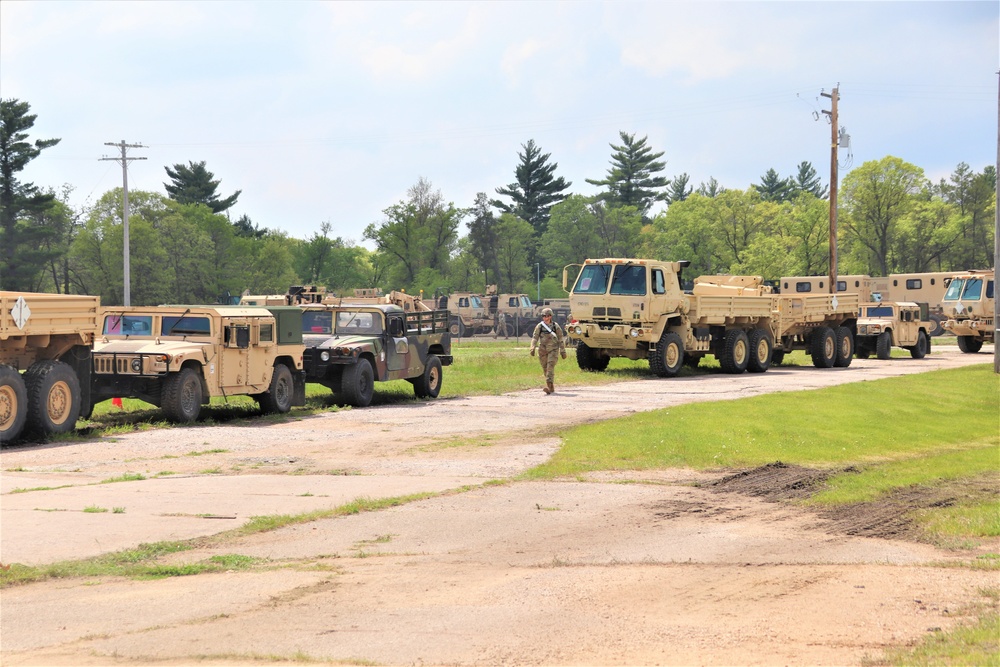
(123, 160)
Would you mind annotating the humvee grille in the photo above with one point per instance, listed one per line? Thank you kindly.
(115, 365)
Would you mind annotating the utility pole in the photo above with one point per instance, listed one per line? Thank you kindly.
(832, 113)
(996, 250)
(123, 161)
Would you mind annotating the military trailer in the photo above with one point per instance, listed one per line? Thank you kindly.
(350, 347)
(635, 308)
(969, 305)
(887, 324)
(48, 337)
(179, 357)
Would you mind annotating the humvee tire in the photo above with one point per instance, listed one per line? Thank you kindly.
(922, 347)
(182, 394)
(845, 347)
(883, 345)
(278, 397)
(761, 349)
(357, 385)
(53, 397)
(823, 348)
(735, 352)
(13, 403)
(969, 344)
(428, 385)
(668, 357)
(588, 360)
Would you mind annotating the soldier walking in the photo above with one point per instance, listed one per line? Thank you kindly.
(550, 341)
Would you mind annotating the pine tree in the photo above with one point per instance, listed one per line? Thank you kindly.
(193, 184)
(712, 189)
(807, 180)
(679, 189)
(535, 191)
(632, 179)
(774, 188)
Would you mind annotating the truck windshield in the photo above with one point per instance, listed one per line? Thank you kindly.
(593, 279)
(973, 289)
(954, 290)
(476, 301)
(317, 321)
(525, 302)
(128, 325)
(629, 280)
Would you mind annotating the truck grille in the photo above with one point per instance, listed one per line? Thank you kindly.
(607, 313)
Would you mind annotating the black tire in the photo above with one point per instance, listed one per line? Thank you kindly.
(668, 357)
(280, 393)
(182, 396)
(922, 347)
(357, 386)
(969, 344)
(883, 346)
(777, 356)
(845, 347)
(823, 347)
(13, 404)
(936, 328)
(589, 360)
(456, 328)
(735, 352)
(53, 397)
(862, 351)
(761, 351)
(428, 384)
(692, 360)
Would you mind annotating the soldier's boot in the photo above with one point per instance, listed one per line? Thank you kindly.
(549, 389)
(546, 389)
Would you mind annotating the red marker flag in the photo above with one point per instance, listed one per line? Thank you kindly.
(117, 402)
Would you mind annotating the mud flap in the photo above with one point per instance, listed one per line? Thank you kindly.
(299, 388)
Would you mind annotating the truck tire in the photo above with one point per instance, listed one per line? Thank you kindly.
(357, 386)
(922, 346)
(13, 403)
(761, 350)
(735, 352)
(969, 344)
(457, 329)
(279, 394)
(936, 328)
(53, 397)
(777, 356)
(845, 347)
(823, 347)
(589, 360)
(883, 345)
(182, 396)
(428, 384)
(668, 357)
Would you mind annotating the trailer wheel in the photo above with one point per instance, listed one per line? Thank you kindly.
(883, 345)
(589, 360)
(358, 384)
(761, 349)
(845, 347)
(823, 348)
(278, 397)
(13, 403)
(53, 397)
(969, 344)
(182, 394)
(428, 384)
(668, 357)
(735, 352)
(922, 347)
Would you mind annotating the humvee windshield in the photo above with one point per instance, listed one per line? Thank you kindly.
(317, 322)
(879, 311)
(352, 322)
(593, 279)
(128, 325)
(173, 325)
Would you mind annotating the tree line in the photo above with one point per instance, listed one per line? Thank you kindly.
(185, 249)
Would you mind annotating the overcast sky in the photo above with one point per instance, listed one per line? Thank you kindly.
(330, 111)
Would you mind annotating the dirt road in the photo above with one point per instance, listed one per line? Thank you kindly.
(591, 571)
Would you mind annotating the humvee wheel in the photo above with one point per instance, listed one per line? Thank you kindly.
(922, 347)
(883, 345)
(278, 397)
(357, 386)
(668, 357)
(13, 404)
(735, 352)
(761, 349)
(845, 347)
(53, 397)
(428, 385)
(969, 344)
(181, 399)
(588, 360)
(823, 348)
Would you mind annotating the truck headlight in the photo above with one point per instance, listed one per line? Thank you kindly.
(324, 356)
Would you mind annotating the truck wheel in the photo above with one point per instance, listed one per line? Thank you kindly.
(823, 347)
(589, 360)
(13, 404)
(668, 357)
(883, 345)
(936, 328)
(969, 344)
(182, 394)
(761, 349)
(278, 397)
(920, 350)
(845, 347)
(428, 385)
(53, 397)
(735, 352)
(357, 386)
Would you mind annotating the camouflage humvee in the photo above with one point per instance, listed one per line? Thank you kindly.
(178, 357)
(350, 347)
(887, 324)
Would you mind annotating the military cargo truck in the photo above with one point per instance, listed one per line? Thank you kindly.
(969, 305)
(179, 357)
(468, 315)
(635, 308)
(887, 324)
(48, 336)
(512, 314)
(350, 347)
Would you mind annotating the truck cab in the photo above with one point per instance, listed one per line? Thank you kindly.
(969, 304)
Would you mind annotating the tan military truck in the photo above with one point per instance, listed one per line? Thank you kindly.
(969, 305)
(512, 314)
(883, 325)
(179, 357)
(635, 308)
(468, 314)
(48, 336)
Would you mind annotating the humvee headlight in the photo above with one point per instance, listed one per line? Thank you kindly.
(634, 333)
(136, 365)
(579, 330)
(324, 356)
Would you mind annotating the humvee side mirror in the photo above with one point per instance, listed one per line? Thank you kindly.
(395, 327)
(242, 337)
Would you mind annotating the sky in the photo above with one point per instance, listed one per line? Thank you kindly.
(331, 111)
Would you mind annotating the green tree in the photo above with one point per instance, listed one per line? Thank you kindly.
(618, 228)
(925, 235)
(194, 184)
(806, 229)
(774, 188)
(535, 189)
(572, 234)
(246, 227)
(710, 189)
(739, 218)
(632, 180)
(975, 196)
(24, 232)
(685, 232)
(679, 189)
(515, 248)
(807, 180)
(482, 238)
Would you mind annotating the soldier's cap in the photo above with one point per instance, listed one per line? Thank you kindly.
(546, 312)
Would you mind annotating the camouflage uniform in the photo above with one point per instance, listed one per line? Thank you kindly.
(550, 341)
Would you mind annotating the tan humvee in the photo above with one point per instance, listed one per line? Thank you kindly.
(887, 324)
(178, 357)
